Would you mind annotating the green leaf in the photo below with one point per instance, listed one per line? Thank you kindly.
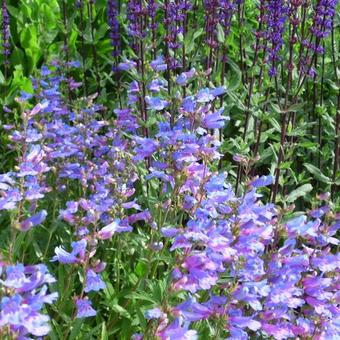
(121, 311)
(104, 335)
(317, 173)
(143, 297)
(2, 78)
(28, 37)
(17, 57)
(275, 123)
(296, 107)
(56, 329)
(235, 78)
(300, 191)
(141, 269)
(220, 33)
(76, 328)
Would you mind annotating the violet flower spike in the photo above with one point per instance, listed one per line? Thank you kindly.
(5, 34)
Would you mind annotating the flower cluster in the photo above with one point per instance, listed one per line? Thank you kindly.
(276, 16)
(231, 244)
(323, 18)
(212, 19)
(135, 16)
(5, 33)
(112, 15)
(146, 176)
(273, 274)
(21, 190)
(322, 24)
(24, 295)
(175, 13)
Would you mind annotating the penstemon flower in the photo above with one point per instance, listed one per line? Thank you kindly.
(24, 295)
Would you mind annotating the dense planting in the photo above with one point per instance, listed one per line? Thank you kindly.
(170, 170)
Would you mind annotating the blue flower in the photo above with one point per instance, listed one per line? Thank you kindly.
(204, 96)
(218, 91)
(45, 71)
(159, 64)
(78, 248)
(25, 96)
(189, 104)
(214, 120)
(127, 65)
(263, 181)
(156, 103)
(176, 330)
(84, 308)
(154, 313)
(146, 147)
(133, 87)
(156, 85)
(93, 282)
(15, 276)
(11, 310)
(184, 77)
(34, 220)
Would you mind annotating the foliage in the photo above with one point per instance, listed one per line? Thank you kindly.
(170, 169)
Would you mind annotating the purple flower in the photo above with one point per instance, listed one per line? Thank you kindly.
(84, 308)
(5, 33)
(184, 77)
(93, 282)
(244, 321)
(323, 19)
(146, 147)
(218, 91)
(161, 175)
(158, 64)
(141, 216)
(135, 14)
(298, 226)
(169, 231)
(127, 65)
(176, 330)
(327, 263)
(275, 14)
(214, 120)
(112, 228)
(204, 96)
(15, 276)
(262, 181)
(11, 310)
(156, 103)
(154, 313)
(133, 87)
(157, 85)
(39, 107)
(78, 248)
(20, 307)
(24, 96)
(278, 331)
(189, 104)
(33, 221)
(112, 16)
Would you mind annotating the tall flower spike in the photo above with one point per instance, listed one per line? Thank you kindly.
(5, 34)
(275, 16)
(135, 16)
(175, 13)
(112, 15)
(211, 17)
